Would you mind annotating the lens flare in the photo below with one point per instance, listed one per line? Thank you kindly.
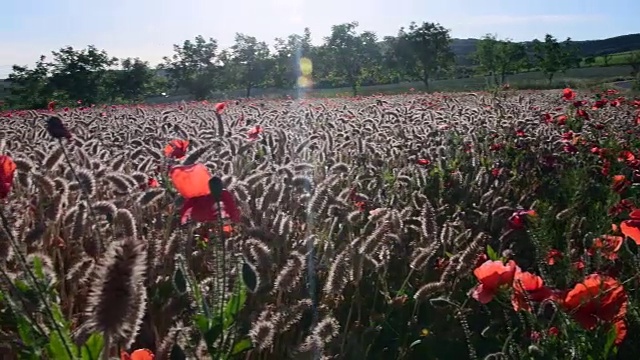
(306, 66)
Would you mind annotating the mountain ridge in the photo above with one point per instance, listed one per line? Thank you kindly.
(462, 48)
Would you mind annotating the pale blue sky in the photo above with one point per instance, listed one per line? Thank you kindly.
(148, 28)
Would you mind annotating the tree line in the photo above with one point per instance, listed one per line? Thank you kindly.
(347, 57)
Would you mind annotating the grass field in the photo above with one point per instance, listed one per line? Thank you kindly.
(578, 78)
(412, 226)
(617, 59)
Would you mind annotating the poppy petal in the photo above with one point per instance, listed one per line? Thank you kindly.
(142, 354)
(191, 181)
(483, 294)
(631, 229)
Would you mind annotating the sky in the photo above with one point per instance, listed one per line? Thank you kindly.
(148, 28)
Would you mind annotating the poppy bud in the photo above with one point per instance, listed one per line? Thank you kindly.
(216, 187)
(56, 128)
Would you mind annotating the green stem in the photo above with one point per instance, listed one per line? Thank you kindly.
(22, 300)
(224, 267)
(106, 347)
(39, 291)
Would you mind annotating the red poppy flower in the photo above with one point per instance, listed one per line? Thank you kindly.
(152, 183)
(192, 182)
(626, 156)
(608, 246)
(140, 354)
(176, 149)
(51, 105)
(568, 135)
(581, 113)
(598, 298)
(599, 104)
(552, 256)
(562, 119)
(620, 183)
(7, 172)
(423, 162)
(517, 219)
(255, 132)
(492, 275)
(220, 106)
(568, 94)
(631, 228)
(528, 288)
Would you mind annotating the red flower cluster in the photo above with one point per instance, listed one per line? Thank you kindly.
(598, 298)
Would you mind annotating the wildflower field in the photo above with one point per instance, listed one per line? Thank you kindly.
(416, 226)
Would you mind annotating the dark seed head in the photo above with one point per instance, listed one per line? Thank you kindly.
(216, 187)
(56, 128)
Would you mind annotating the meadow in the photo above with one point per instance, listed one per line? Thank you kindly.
(412, 226)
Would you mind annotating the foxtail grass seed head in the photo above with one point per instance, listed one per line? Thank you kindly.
(291, 274)
(115, 294)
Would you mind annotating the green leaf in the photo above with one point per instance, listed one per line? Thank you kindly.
(202, 322)
(492, 254)
(241, 346)
(57, 314)
(212, 335)
(610, 344)
(25, 330)
(180, 281)
(234, 305)
(56, 348)
(37, 268)
(93, 347)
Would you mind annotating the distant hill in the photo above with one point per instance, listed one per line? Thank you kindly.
(463, 48)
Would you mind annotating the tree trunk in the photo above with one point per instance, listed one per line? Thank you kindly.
(425, 79)
(249, 90)
(354, 88)
(550, 77)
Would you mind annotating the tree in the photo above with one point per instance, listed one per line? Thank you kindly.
(81, 74)
(633, 59)
(134, 81)
(425, 50)
(589, 60)
(551, 56)
(497, 58)
(30, 88)
(285, 69)
(194, 67)
(252, 59)
(351, 53)
(572, 56)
